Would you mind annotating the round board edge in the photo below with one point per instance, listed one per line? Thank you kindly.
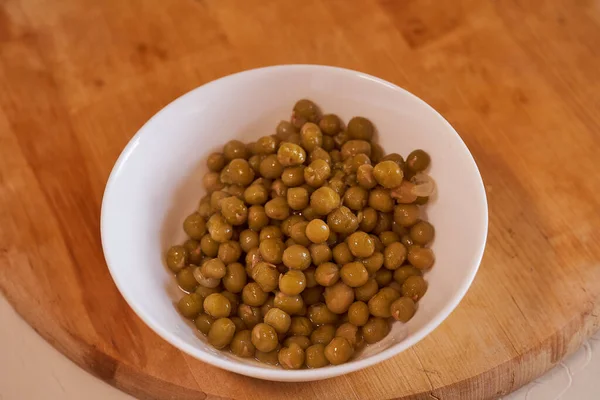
(135, 382)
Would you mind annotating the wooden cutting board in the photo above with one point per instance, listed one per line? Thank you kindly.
(520, 81)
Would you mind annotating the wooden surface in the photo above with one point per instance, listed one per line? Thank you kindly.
(518, 79)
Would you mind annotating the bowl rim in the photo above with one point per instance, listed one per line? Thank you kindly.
(282, 375)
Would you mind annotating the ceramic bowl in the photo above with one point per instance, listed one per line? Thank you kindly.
(157, 182)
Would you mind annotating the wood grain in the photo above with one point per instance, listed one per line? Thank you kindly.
(518, 79)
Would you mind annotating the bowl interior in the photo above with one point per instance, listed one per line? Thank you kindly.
(157, 182)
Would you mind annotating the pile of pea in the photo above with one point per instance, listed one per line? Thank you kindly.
(308, 243)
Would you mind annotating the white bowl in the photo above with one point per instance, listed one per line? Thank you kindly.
(156, 182)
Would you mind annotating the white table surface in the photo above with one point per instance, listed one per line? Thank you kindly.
(25, 358)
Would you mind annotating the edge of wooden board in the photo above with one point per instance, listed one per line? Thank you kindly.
(518, 371)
